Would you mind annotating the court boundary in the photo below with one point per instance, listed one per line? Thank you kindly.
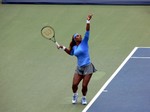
(77, 2)
(140, 57)
(110, 79)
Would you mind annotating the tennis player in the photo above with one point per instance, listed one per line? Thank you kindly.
(84, 70)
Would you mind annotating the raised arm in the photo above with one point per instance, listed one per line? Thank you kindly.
(68, 50)
(88, 22)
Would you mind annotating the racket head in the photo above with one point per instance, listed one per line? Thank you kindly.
(48, 32)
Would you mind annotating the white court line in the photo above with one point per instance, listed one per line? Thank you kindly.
(109, 80)
(143, 56)
(140, 57)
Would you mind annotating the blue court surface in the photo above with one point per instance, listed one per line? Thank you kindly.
(128, 89)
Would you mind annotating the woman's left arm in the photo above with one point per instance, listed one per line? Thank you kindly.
(88, 22)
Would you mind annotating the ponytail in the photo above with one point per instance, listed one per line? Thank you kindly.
(72, 43)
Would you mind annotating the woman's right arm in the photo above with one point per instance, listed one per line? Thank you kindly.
(68, 51)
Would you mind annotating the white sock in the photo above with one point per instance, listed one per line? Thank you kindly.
(75, 94)
(83, 96)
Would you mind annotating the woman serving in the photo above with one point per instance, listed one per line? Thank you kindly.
(79, 48)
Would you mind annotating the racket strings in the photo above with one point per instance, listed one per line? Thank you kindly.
(47, 32)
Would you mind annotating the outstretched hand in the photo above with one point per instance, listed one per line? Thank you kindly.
(60, 47)
(89, 16)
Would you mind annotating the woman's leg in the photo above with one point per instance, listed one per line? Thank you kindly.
(76, 80)
(85, 83)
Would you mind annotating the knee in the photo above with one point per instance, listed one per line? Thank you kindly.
(84, 86)
(74, 85)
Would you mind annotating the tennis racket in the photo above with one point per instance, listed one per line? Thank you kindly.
(49, 33)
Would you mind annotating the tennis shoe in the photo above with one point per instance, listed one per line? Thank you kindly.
(83, 101)
(74, 98)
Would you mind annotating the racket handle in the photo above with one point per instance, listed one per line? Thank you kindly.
(57, 44)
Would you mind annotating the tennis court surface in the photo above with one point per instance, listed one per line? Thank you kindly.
(127, 90)
(36, 77)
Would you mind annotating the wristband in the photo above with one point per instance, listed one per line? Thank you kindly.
(87, 21)
(64, 48)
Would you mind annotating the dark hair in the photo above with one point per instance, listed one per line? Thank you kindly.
(72, 43)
